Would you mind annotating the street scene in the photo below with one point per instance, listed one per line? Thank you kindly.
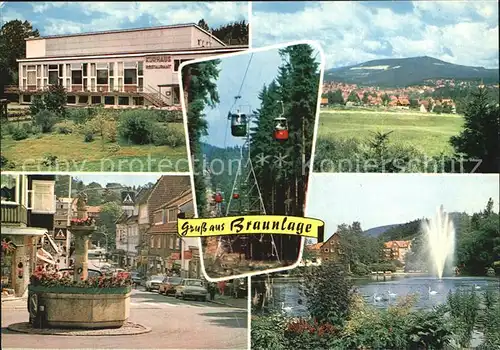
(255, 139)
(174, 323)
(91, 255)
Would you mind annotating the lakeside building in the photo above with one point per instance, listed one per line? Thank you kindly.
(133, 67)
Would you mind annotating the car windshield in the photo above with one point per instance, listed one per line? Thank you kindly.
(174, 280)
(194, 283)
(157, 278)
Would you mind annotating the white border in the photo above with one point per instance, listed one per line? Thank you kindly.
(250, 26)
(316, 124)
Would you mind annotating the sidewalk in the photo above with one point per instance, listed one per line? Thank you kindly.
(226, 300)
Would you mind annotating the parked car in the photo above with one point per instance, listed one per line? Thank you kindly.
(191, 288)
(91, 272)
(153, 282)
(136, 278)
(169, 284)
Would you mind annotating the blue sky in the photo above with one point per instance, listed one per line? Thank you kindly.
(137, 179)
(382, 199)
(262, 70)
(461, 32)
(64, 17)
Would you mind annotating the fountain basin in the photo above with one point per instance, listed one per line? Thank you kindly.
(83, 308)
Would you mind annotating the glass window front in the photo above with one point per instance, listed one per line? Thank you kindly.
(102, 77)
(130, 76)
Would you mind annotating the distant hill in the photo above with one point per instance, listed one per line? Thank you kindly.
(377, 231)
(402, 72)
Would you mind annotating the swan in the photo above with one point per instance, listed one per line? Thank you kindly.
(287, 308)
(476, 287)
(391, 295)
(378, 298)
(432, 292)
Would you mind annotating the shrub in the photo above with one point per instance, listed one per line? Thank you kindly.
(46, 120)
(30, 129)
(267, 332)
(135, 127)
(328, 293)
(3, 162)
(463, 307)
(80, 115)
(168, 136)
(67, 127)
(113, 148)
(110, 130)
(54, 100)
(49, 160)
(37, 105)
(9, 128)
(491, 321)
(89, 136)
(19, 134)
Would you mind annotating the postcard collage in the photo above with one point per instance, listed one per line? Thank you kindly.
(250, 175)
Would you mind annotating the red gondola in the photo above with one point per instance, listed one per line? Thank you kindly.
(236, 195)
(218, 197)
(280, 129)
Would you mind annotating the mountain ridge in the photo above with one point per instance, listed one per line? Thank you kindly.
(402, 72)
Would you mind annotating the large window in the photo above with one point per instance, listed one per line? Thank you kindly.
(130, 76)
(76, 77)
(41, 197)
(10, 189)
(102, 77)
(172, 215)
(53, 77)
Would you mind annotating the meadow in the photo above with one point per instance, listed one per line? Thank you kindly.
(94, 142)
(427, 132)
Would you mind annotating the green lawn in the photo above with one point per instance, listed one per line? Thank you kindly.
(73, 154)
(428, 132)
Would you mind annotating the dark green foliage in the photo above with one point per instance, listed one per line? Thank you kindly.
(235, 33)
(267, 332)
(135, 128)
(335, 97)
(199, 81)
(328, 293)
(480, 138)
(81, 115)
(463, 307)
(89, 136)
(168, 136)
(53, 100)
(19, 134)
(3, 162)
(427, 330)
(46, 120)
(12, 47)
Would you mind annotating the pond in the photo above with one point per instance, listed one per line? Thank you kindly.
(381, 294)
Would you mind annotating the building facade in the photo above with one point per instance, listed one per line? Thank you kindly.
(28, 205)
(396, 250)
(136, 67)
(331, 249)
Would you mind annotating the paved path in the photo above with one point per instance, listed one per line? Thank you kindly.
(176, 324)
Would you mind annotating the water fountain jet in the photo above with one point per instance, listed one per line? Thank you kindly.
(440, 235)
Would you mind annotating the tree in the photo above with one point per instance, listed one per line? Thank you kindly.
(201, 92)
(203, 25)
(479, 138)
(365, 97)
(109, 213)
(328, 293)
(353, 97)
(12, 47)
(385, 99)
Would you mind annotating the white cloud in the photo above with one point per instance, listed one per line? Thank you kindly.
(350, 32)
(41, 7)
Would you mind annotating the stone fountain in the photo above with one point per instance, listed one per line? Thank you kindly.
(440, 236)
(79, 306)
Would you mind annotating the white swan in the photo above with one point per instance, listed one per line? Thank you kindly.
(476, 287)
(432, 292)
(391, 295)
(287, 308)
(378, 298)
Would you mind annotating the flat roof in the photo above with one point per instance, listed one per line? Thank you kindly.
(170, 26)
(186, 51)
(114, 31)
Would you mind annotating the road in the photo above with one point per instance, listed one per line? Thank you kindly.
(175, 324)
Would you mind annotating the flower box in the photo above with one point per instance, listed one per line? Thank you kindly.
(79, 290)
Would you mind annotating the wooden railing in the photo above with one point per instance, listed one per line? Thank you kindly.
(14, 214)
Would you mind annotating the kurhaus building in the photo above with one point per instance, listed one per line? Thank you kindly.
(136, 67)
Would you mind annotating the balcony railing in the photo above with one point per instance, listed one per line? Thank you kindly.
(14, 214)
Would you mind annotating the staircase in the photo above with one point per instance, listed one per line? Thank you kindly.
(154, 97)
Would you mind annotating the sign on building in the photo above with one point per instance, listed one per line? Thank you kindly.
(128, 198)
(60, 234)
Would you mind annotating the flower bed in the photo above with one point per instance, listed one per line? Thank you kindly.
(83, 222)
(98, 302)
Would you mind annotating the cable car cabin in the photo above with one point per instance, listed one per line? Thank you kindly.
(236, 195)
(280, 129)
(238, 124)
(218, 198)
